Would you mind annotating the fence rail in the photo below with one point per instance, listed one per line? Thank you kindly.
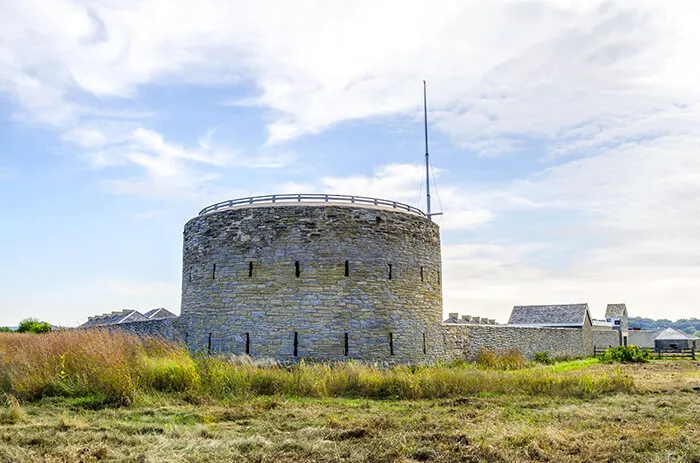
(309, 198)
(676, 353)
(659, 353)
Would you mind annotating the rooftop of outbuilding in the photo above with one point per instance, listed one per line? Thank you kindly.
(550, 315)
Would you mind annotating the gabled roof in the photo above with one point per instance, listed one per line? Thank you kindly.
(669, 334)
(114, 318)
(159, 313)
(564, 315)
(615, 310)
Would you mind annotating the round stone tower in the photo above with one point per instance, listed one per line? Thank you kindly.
(313, 276)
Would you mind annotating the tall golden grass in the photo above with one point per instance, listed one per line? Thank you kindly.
(115, 367)
(511, 359)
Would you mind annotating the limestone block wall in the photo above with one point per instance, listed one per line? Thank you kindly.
(315, 281)
(641, 338)
(167, 328)
(605, 338)
(463, 342)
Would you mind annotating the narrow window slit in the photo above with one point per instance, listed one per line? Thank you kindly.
(425, 350)
(390, 271)
(213, 272)
(250, 270)
(347, 268)
(296, 344)
(247, 343)
(190, 276)
(391, 343)
(209, 344)
(438, 277)
(421, 273)
(297, 270)
(347, 347)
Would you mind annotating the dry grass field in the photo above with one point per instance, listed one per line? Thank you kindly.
(226, 411)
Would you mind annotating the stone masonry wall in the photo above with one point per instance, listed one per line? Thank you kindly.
(241, 292)
(463, 341)
(641, 338)
(167, 328)
(605, 338)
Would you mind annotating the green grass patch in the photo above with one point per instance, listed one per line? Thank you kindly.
(573, 364)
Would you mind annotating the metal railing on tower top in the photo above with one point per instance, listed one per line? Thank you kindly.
(309, 198)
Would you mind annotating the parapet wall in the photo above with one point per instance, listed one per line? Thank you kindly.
(464, 342)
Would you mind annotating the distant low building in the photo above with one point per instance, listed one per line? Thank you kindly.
(159, 314)
(674, 339)
(127, 316)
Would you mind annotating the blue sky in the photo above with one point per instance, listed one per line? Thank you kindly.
(565, 138)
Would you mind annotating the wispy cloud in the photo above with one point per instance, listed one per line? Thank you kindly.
(171, 170)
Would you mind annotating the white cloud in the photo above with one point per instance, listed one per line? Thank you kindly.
(607, 90)
(538, 68)
(170, 170)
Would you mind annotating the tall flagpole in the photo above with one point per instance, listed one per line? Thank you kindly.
(427, 156)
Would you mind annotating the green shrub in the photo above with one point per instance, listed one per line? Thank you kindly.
(543, 358)
(4, 329)
(32, 325)
(626, 354)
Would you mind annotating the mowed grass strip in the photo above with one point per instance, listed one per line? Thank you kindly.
(490, 428)
(110, 367)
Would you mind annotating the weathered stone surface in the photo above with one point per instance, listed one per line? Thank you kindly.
(391, 295)
(166, 328)
(605, 338)
(463, 341)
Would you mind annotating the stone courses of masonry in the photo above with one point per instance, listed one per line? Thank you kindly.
(464, 342)
(604, 338)
(382, 297)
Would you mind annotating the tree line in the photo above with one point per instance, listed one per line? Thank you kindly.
(29, 325)
(687, 325)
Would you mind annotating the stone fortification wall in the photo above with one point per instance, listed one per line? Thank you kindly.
(318, 281)
(167, 328)
(463, 342)
(605, 338)
(641, 338)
